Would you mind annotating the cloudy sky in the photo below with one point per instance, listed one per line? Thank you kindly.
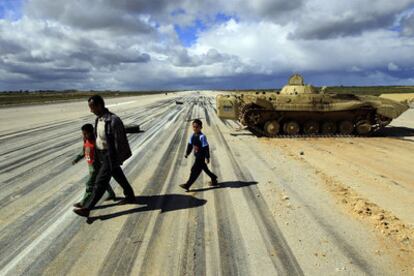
(190, 44)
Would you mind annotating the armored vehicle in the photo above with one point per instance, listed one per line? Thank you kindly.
(302, 109)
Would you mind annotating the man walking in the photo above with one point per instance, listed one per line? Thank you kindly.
(112, 149)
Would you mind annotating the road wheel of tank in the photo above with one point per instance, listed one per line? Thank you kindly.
(328, 127)
(243, 110)
(252, 117)
(311, 127)
(272, 128)
(291, 128)
(363, 127)
(346, 127)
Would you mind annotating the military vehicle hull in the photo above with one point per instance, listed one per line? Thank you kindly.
(301, 110)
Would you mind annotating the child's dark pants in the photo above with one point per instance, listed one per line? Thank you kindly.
(105, 172)
(199, 165)
(91, 183)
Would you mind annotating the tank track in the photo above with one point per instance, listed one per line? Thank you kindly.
(261, 133)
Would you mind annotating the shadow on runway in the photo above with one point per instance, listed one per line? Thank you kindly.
(165, 203)
(228, 184)
(168, 202)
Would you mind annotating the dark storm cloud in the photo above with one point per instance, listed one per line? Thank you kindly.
(43, 52)
(97, 55)
(342, 27)
(44, 72)
(75, 65)
(127, 15)
(108, 58)
(181, 58)
(9, 47)
(238, 81)
(273, 10)
(350, 18)
(145, 7)
(166, 8)
(90, 15)
(108, 13)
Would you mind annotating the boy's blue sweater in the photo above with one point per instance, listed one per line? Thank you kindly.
(198, 143)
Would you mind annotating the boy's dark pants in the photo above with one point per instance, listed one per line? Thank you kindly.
(199, 165)
(104, 176)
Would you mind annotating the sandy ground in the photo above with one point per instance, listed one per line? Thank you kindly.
(314, 206)
(399, 96)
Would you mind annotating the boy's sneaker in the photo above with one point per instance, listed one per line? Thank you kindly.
(185, 187)
(77, 205)
(214, 182)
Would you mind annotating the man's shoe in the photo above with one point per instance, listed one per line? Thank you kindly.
(185, 187)
(214, 182)
(83, 212)
(77, 205)
(127, 200)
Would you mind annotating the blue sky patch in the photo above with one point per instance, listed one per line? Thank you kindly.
(188, 34)
(178, 12)
(222, 18)
(11, 9)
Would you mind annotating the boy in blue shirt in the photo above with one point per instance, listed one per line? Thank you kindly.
(198, 143)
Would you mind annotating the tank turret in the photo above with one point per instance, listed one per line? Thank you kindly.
(296, 86)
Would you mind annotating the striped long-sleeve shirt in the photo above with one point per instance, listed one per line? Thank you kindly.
(199, 145)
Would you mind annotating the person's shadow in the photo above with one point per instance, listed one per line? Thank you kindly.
(165, 203)
(226, 184)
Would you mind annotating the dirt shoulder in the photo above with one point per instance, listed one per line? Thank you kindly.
(399, 96)
(371, 178)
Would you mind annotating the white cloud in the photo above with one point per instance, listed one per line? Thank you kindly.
(355, 69)
(393, 67)
(268, 46)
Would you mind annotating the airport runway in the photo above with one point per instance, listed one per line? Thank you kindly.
(276, 211)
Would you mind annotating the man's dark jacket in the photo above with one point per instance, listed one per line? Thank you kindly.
(118, 146)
